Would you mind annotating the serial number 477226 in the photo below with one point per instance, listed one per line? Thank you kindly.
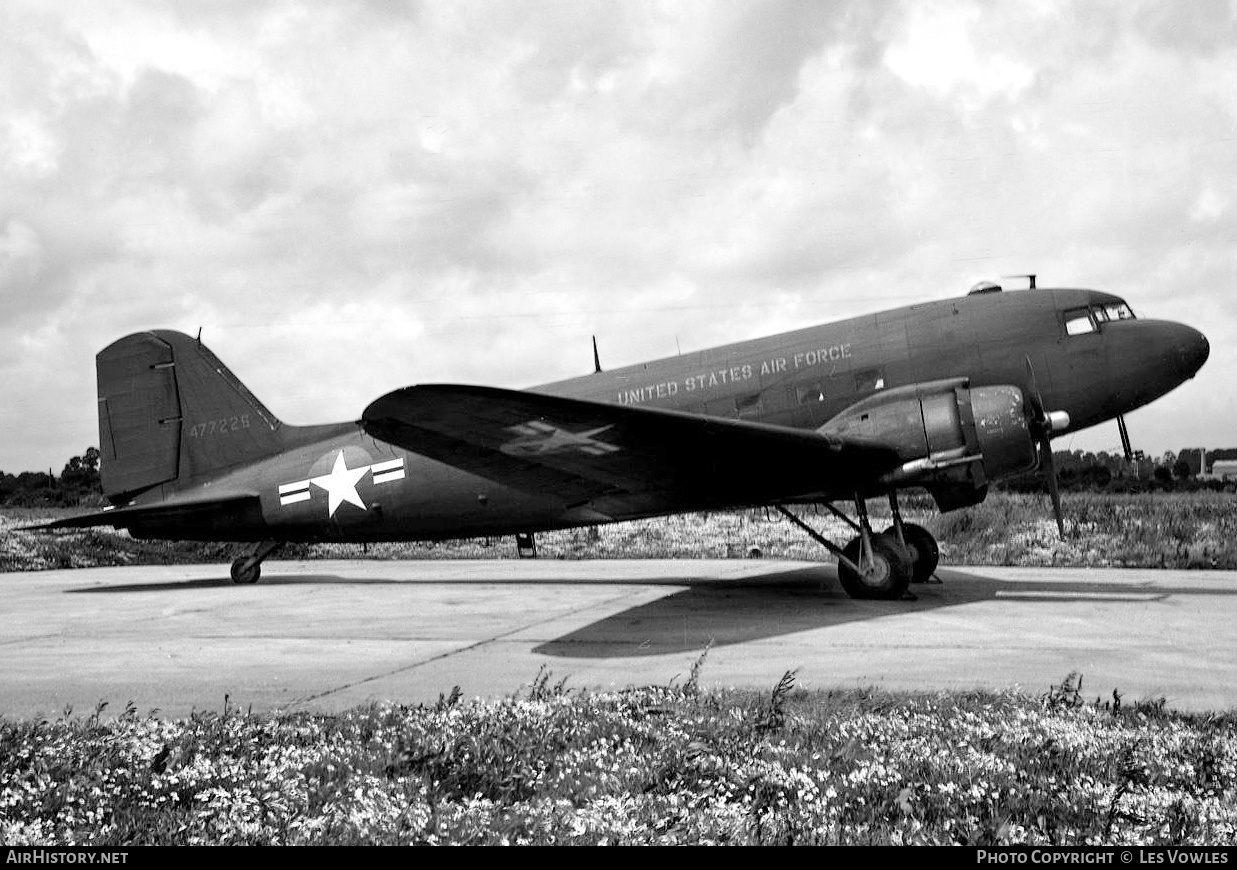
(222, 426)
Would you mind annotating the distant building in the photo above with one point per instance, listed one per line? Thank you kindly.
(1224, 469)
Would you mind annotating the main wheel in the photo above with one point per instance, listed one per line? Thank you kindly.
(925, 554)
(885, 578)
(246, 571)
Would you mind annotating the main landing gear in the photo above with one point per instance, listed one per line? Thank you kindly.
(247, 569)
(880, 566)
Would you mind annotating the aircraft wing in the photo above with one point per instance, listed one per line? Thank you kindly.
(614, 458)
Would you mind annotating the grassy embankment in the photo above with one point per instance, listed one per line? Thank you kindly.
(1168, 530)
(654, 765)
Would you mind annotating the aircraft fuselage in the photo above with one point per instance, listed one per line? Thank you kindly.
(805, 378)
(338, 482)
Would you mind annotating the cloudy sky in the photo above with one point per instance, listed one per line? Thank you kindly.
(349, 197)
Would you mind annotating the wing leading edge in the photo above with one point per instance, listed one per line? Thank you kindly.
(616, 459)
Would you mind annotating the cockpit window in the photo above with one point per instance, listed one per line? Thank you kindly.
(1113, 311)
(1078, 322)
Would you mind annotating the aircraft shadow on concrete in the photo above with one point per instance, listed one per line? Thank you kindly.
(223, 582)
(727, 611)
(226, 583)
(723, 613)
(764, 581)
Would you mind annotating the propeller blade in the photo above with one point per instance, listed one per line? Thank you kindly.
(1035, 401)
(1042, 424)
(1050, 474)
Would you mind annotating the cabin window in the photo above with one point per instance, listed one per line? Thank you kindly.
(809, 393)
(748, 406)
(1079, 322)
(869, 379)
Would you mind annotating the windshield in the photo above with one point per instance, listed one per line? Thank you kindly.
(1079, 321)
(1113, 311)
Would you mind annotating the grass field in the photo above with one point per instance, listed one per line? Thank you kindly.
(1167, 530)
(661, 765)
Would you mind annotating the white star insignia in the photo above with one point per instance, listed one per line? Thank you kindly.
(340, 484)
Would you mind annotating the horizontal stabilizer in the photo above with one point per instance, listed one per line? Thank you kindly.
(194, 514)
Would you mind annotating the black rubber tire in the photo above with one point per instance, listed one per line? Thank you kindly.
(889, 576)
(925, 553)
(245, 574)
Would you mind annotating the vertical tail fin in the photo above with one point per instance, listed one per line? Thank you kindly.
(170, 411)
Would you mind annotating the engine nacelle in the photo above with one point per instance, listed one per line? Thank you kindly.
(949, 437)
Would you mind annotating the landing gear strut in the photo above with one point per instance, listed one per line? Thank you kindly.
(875, 566)
(924, 552)
(247, 569)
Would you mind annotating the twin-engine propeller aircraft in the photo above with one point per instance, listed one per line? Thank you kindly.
(944, 395)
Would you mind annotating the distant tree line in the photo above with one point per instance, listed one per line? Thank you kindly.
(77, 484)
(1083, 471)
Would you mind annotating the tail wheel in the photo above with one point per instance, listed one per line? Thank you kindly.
(245, 570)
(885, 577)
(924, 551)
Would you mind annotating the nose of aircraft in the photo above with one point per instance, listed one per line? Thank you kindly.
(1192, 350)
(1162, 356)
(1202, 350)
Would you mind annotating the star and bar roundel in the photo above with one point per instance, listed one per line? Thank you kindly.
(340, 483)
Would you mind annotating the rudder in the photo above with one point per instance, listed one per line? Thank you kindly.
(170, 411)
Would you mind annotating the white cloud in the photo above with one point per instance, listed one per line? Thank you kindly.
(21, 256)
(468, 190)
(27, 147)
(1210, 206)
(938, 51)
